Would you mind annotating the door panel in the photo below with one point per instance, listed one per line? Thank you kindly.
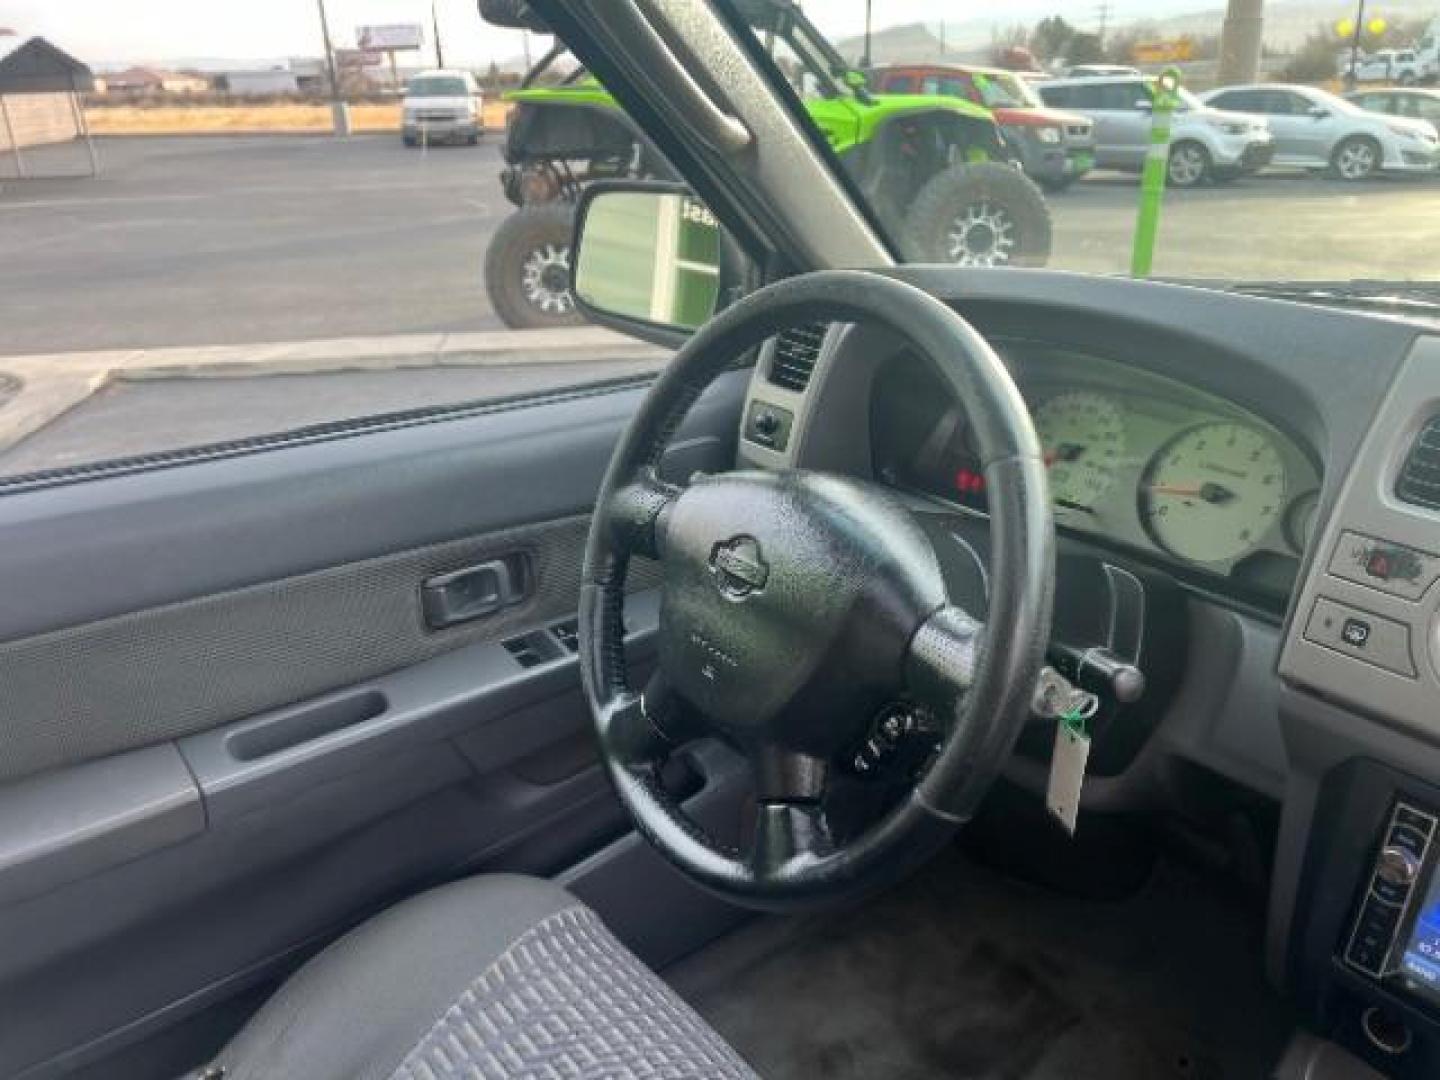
(227, 733)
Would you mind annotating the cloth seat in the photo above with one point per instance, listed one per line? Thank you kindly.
(497, 976)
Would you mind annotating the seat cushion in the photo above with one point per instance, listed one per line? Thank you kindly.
(493, 977)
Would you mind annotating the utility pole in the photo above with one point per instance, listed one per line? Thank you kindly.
(942, 37)
(865, 60)
(1240, 38)
(1104, 20)
(435, 26)
(1350, 73)
(339, 115)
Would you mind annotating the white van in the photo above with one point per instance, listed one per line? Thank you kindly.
(442, 106)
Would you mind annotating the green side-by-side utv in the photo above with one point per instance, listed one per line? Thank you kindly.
(935, 167)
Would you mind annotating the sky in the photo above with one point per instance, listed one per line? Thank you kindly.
(112, 30)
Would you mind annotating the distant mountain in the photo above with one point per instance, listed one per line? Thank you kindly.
(1287, 23)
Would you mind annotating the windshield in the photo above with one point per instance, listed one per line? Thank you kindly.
(1003, 91)
(1238, 198)
(436, 86)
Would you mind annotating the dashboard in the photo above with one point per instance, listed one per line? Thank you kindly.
(1137, 460)
(1247, 503)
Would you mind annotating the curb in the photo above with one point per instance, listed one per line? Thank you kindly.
(55, 383)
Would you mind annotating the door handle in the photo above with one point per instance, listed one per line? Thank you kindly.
(473, 591)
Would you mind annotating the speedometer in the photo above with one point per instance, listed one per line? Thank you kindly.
(1212, 492)
(1083, 436)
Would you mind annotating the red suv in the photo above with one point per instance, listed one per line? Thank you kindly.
(1055, 148)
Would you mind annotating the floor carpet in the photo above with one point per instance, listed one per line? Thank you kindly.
(962, 972)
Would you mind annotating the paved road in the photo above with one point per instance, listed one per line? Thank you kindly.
(224, 240)
(1274, 226)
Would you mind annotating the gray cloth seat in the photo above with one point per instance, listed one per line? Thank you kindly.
(493, 977)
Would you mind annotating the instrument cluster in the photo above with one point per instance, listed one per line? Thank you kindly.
(1134, 458)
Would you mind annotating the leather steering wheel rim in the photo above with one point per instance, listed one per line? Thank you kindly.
(984, 675)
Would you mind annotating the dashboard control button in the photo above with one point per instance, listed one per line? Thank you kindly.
(1415, 819)
(1367, 958)
(1406, 839)
(768, 425)
(1376, 640)
(1388, 893)
(1355, 632)
(1393, 568)
(1397, 866)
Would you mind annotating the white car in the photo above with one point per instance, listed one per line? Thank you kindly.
(1315, 129)
(1205, 143)
(1401, 66)
(442, 106)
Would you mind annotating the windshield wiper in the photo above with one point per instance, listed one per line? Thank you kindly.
(1398, 297)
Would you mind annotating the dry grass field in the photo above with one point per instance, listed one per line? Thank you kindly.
(251, 119)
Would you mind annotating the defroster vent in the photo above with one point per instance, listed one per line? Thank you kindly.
(796, 351)
(1419, 481)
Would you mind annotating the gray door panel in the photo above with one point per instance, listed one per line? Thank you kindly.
(227, 732)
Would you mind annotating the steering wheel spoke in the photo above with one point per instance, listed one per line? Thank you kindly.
(787, 776)
(943, 657)
(788, 837)
(636, 513)
(643, 729)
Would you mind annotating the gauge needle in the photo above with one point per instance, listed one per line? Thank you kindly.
(1209, 491)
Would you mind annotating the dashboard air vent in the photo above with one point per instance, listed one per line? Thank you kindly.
(796, 351)
(1419, 481)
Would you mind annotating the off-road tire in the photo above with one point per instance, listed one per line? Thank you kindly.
(532, 232)
(1188, 165)
(936, 229)
(1355, 142)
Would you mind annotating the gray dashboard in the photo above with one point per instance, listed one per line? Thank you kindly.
(1367, 622)
(1312, 379)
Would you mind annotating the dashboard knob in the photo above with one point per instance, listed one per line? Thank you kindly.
(1396, 866)
(766, 423)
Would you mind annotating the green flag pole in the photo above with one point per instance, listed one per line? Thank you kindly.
(1152, 179)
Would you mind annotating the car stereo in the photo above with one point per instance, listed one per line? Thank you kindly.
(1395, 935)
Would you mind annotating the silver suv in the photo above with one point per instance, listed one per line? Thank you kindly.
(1315, 129)
(1205, 143)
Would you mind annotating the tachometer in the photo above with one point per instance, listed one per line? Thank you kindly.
(1083, 436)
(1212, 492)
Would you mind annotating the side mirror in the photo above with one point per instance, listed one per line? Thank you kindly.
(1144, 105)
(646, 255)
(1317, 112)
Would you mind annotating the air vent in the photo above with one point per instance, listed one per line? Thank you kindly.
(1419, 481)
(796, 351)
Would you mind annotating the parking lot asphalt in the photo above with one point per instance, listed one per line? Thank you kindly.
(227, 240)
(223, 240)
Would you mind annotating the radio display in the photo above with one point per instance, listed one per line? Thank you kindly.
(1420, 962)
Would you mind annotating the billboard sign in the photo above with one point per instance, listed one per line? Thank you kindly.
(392, 36)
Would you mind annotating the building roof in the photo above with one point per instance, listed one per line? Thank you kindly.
(135, 76)
(34, 66)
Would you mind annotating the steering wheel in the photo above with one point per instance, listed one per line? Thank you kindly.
(793, 601)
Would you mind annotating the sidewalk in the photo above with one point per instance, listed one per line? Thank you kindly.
(53, 384)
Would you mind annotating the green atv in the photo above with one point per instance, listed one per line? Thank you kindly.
(935, 168)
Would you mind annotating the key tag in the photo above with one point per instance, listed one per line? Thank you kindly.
(1067, 768)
